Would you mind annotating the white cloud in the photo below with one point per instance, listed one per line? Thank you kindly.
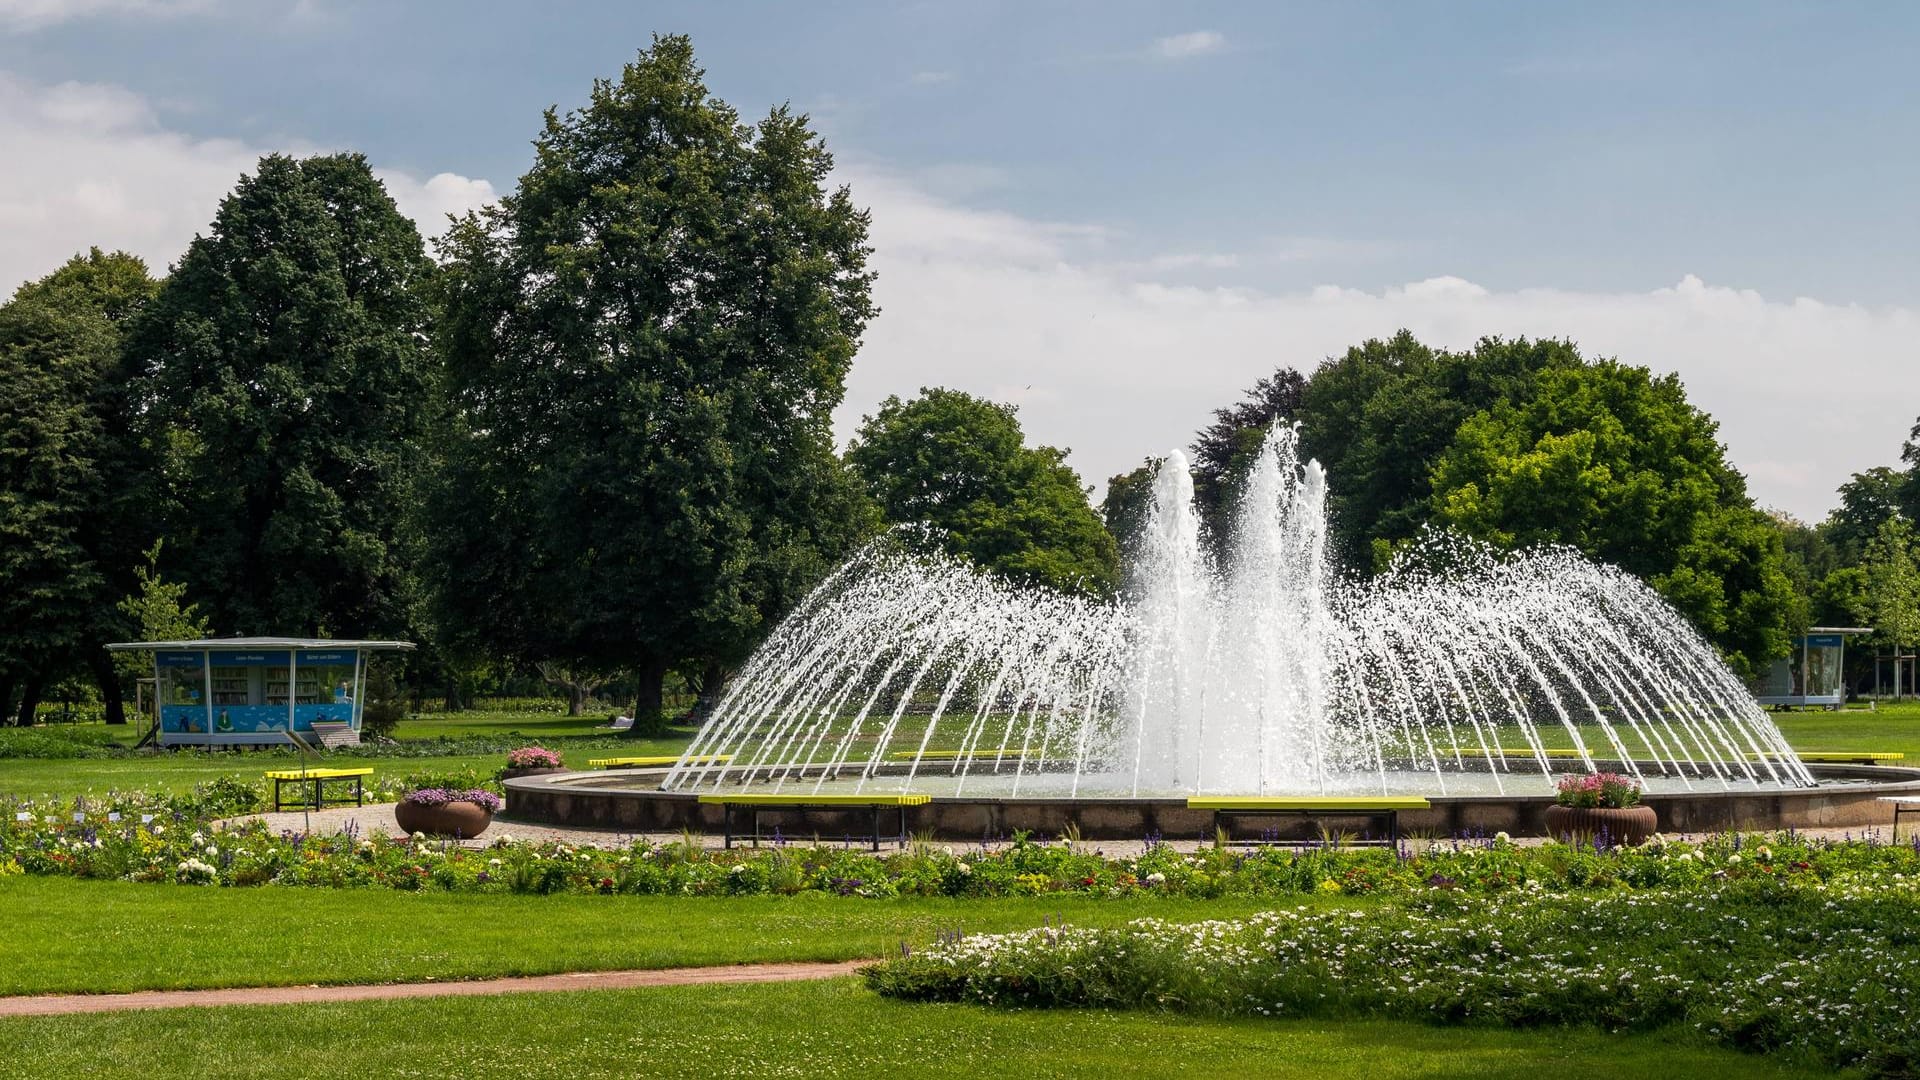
(90, 164)
(25, 15)
(1188, 45)
(931, 78)
(1117, 363)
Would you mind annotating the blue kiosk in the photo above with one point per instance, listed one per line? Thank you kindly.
(253, 691)
(1811, 676)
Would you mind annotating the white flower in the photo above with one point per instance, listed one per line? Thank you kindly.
(1156, 878)
(211, 850)
(493, 862)
(197, 838)
(966, 868)
(1502, 838)
(1734, 858)
(419, 836)
(738, 868)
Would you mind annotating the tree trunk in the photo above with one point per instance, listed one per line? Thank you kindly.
(713, 683)
(6, 700)
(649, 698)
(576, 698)
(109, 680)
(29, 701)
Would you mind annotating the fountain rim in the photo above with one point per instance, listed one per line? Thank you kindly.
(568, 800)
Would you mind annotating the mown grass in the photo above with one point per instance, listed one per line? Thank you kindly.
(69, 936)
(825, 1029)
(1891, 728)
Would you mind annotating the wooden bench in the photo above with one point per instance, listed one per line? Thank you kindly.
(1902, 806)
(318, 778)
(758, 802)
(656, 760)
(1379, 807)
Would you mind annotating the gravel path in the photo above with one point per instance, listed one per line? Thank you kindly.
(65, 1004)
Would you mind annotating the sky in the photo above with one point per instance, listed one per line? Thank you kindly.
(1118, 216)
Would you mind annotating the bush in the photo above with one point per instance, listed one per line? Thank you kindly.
(1825, 972)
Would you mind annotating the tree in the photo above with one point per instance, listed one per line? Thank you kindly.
(1867, 501)
(1379, 416)
(961, 464)
(1225, 449)
(61, 535)
(1125, 507)
(1610, 460)
(1909, 494)
(285, 374)
(643, 347)
(1892, 573)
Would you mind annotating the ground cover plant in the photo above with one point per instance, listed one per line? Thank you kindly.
(1821, 970)
(826, 1029)
(138, 839)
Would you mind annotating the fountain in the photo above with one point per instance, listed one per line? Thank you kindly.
(1463, 674)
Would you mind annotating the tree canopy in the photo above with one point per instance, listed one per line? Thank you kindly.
(1611, 460)
(63, 546)
(287, 388)
(644, 344)
(961, 464)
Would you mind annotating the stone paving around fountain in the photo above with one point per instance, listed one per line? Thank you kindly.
(362, 820)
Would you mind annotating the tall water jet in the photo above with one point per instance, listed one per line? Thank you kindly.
(1459, 669)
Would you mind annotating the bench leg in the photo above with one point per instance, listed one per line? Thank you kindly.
(726, 812)
(1393, 829)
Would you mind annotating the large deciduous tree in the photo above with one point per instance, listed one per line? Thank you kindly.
(644, 344)
(1608, 459)
(1224, 451)
(1379, 416)
(1890, 575)
(286, 374)
(961, 464)
(65, 544)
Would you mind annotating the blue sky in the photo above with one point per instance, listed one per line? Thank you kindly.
(1227, 186)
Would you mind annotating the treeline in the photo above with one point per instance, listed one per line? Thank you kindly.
(1524, 442)
(590, 440)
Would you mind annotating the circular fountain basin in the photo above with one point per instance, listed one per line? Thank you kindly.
(991, 807)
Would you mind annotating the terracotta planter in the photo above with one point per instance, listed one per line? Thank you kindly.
(512, 772)
(1627, 825)
(464, 820)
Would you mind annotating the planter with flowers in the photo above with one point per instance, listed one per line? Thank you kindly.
(1601, 804)
(441, 812)
(532, 761)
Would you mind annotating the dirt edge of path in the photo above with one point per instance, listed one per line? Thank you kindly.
(69, 1004)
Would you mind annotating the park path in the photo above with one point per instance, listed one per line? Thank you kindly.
(67, 1004)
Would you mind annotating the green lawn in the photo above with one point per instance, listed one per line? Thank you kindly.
(66, 935)
(824, 1029)
(1891, 728)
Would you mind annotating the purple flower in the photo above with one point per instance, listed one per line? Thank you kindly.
(480, 797)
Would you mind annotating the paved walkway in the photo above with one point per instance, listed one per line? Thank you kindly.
(378, 818)
(65, 1004)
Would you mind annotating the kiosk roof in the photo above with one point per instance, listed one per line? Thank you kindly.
(223, 644)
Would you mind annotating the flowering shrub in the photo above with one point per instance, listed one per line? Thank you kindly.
(480, 797)
(1820, 970)
(50, 841)
(1600, 789)
(533, 757)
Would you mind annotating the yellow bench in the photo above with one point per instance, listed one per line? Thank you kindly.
(657, 760)
(757, 802)
(319, 777)
(1383, 807)
(1863, 757)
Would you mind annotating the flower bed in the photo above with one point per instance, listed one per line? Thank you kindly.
(50, 841)
(440, 796)
(1825, 970)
